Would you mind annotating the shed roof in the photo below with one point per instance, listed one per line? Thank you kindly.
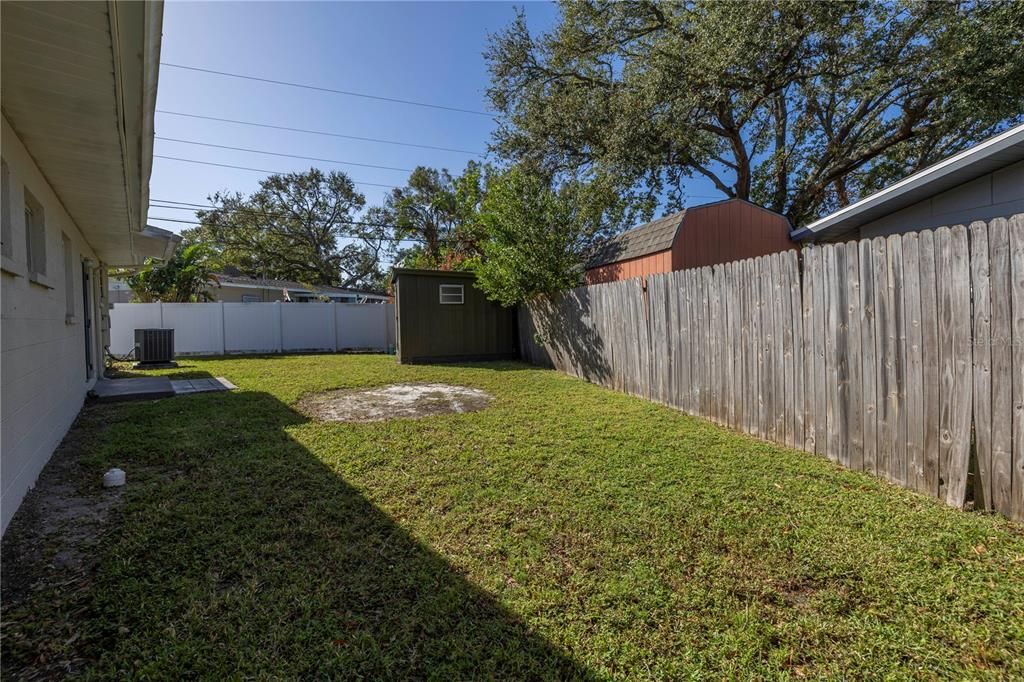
(422, 272)
(642, 240)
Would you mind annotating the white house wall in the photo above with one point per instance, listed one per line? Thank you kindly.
(43, 373)
(995, 195)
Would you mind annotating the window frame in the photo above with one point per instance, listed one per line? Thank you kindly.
(461, 292)
(70, 304)
(35, 239)
(7, 229)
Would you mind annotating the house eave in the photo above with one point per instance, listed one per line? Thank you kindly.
(79, 92)
(997, 152)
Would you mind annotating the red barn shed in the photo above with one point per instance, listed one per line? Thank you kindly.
(709, 234)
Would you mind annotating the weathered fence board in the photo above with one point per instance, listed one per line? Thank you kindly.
(981, 332)
(999, 495)
(867, 346)
(902, 356)
(1016, 234)
(929, 362)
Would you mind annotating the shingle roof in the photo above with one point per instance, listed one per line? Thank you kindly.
(642, 240)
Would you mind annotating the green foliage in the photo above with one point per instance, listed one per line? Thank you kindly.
(535, 236)
(436, 210)
(297, 226)
(184, 278)
(566, 532)
(801, 106)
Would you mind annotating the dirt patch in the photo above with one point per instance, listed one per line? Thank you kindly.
(49, 545)
(59, 519)
(397, 401)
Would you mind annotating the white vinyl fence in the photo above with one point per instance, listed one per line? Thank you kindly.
(224, 328)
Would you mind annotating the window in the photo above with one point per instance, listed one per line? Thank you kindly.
(35, 235)
(69, 281)
(451, 294)
(5, 239)
(248, 298)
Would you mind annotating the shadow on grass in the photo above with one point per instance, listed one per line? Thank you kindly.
(240, 553)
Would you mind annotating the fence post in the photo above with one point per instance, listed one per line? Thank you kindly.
(160, 307)
(280, 326)
(223, 331)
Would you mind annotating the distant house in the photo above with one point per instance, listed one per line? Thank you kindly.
(79, 89)
(719, 232)
(980, 183)
(118, 291)
(241, 289)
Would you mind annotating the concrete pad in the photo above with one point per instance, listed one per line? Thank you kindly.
(187, 386)
(140, 388)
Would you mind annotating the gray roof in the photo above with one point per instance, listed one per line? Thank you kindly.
(992, 154)
(244, 280)
(642, 240)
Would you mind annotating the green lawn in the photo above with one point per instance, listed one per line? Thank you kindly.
(566, 531)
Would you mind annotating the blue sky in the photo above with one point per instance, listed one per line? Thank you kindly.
(428, 51)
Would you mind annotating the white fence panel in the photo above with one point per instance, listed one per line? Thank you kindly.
(198, 327)
(218, 328)
(365, 326)
(308, 326)
(252, 327)
(125, 318)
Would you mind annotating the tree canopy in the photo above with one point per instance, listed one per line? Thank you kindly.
(435, 211)
(800, 106)
(535, 236)
(297, 226)
(186, 277)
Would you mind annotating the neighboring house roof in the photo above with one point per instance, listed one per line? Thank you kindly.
(642, 240)
(992, 154)
(80, 94)
(156, 242)
(246, 282)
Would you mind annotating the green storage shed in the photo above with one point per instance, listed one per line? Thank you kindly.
(441, 316)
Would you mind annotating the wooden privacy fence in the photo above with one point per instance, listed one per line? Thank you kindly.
(902, 356)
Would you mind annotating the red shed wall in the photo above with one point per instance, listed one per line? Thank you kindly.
(728, 231)
(650, 264)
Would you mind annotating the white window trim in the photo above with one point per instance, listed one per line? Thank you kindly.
(36, 258)
(459, 290)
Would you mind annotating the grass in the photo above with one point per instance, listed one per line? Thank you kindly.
(565, 532)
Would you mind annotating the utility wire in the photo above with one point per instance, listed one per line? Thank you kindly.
(343, 235)
(319, 88)
(290, 156)
(318, 132)
(190, 206)
(258, 170)
(252, 211)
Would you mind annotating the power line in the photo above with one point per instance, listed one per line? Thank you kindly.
(318, 132)
(343, 235)
(257, 170)
(189, 206)
(192, 206)
(291, 156)
(319, 88)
